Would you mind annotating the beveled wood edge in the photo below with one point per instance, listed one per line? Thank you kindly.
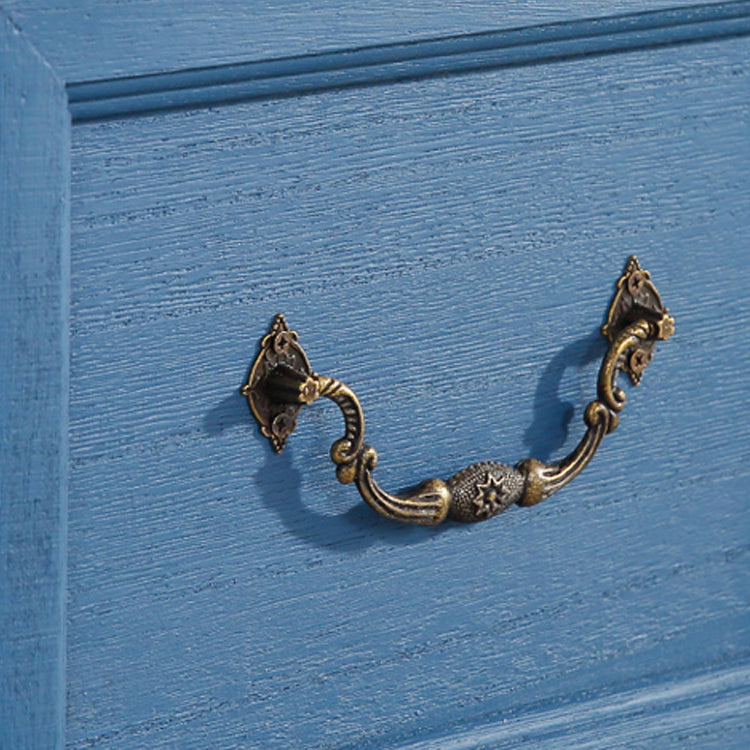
(408, 61)
(34, 376)
(625, 718)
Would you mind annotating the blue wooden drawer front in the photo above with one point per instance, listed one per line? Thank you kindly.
(448, 248)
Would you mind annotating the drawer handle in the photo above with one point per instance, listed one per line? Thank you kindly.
(281, 382)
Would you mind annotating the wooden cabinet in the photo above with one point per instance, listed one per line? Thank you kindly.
(443, 223)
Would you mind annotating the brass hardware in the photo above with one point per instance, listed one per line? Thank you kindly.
(281, 382)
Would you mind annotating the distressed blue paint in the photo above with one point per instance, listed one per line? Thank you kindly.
(122, 38)
(437, 244)
(222, 596)
(401, 62)
(598, 720)
(34, 237)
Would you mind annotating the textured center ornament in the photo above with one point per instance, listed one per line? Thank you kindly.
(483, 490)
(490, 496)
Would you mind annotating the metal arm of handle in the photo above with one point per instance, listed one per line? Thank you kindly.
(281, 382)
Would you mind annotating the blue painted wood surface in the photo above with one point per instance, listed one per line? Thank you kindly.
(378, 65)
(34, 244)
(448, 248)
(88, 39)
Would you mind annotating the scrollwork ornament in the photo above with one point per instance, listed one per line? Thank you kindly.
(281, 381)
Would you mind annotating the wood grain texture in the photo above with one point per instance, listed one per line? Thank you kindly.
(34, 234)
(448, 249)
(390, 63)
(674, 714)
(88, 39)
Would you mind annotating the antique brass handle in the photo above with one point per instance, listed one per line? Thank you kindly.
(281, 382)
